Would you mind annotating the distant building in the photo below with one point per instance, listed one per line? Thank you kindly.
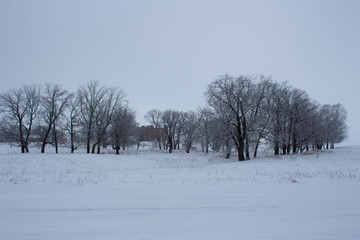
(149, 133)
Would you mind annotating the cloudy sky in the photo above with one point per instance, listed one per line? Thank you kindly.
(164, 53)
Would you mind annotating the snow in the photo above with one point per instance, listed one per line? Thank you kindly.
(155, 195)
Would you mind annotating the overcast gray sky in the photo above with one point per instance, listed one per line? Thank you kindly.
(164, 53)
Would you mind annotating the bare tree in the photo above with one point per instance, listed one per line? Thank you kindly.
(54, 103)
(331, 126)
(259, 113)
(300, 112)
(139, 136)
(124, 128)
(104, 114)
(230, 96)
(277, 107)
(19, 109)
(284, 116)
(338, 126)
(179, 129)
(154, 117)
(204, 128)
(190, 129)
(218, 133)
(306, 127)
(90, 97)
(170, 119)
(73, 123)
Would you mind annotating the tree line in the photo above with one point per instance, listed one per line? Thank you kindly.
(93, 116)
(242, 113)
(256, 109)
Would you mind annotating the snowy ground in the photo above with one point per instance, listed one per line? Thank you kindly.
(154, 195)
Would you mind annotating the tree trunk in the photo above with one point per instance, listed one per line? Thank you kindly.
(43, 145)
(93, 148)
(257, 145)
(98, 148)
(202, 145)
(72, 140)
(247, 148)
(239, 143)
(44, 142)
(241, 156)
(22, 143)
(170, 142)
(289, 133)
(276, 148)
(188, 146)
(294, 145)
(88, 144)
(206, 141)
(284, 149)
(56, 141)
(27, 146)
(227, 148)
(22, 140)
(301, 148)
(178, 144)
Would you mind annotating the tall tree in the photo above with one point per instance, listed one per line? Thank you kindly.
(259, 113)
(301, 108)
(104, 113)
(170, 119)
(90, 97)
(154, 117)
(123, 128)
(278, 101)
(338, 126)
(190, 129)
(331, 126)
(73, 123)
(19, 109)
(179, 129)
(204, 128)
(230, 96)
(54, 102)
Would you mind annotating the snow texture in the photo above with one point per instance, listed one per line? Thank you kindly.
(155, 195)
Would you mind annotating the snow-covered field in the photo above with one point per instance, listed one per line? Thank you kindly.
(155, 195)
